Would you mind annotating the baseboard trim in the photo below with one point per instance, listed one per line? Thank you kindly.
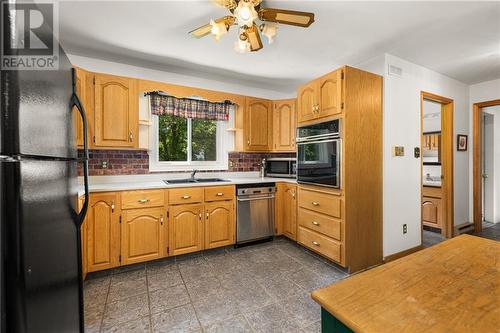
(404, 253)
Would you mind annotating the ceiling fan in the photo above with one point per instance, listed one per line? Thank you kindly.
(245, 14)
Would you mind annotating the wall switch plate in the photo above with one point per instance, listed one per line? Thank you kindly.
(398, 151)
(416, 152)
(405, 228)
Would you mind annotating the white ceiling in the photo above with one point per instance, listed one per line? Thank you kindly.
(458, 39)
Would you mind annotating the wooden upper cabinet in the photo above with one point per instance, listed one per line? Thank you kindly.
(185, 229)
(258, 124)
(307, 100)
(103, 232)
(143, 233)
(219, 224)
(83, 81)
(330, 94)
(116, 111)
(284, 125)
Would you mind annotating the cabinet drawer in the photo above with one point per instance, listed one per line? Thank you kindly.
(321, 223)
(320, 202)
(433, 192)
(218, 193)
(141, 199)
(184, 195)
(319, 243)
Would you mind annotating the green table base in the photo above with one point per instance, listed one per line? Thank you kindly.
(330, 324)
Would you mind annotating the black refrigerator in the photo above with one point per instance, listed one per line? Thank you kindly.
(40, 271)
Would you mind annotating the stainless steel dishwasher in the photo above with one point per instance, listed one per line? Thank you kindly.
(255, 212)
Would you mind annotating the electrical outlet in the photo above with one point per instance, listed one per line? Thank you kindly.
(405, 228)
(398, 151)
(104, 164)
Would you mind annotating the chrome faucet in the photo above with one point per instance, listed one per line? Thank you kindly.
(193, 173)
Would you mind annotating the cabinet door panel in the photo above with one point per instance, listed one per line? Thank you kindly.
(142, 235)
(219, 224)
(185, 229)
(103, 232)
(80, 91)
(330, 94)
(258, 125)
(284, 125)
(431, 211)
(306, 101)
(116, 111)
(289, 211)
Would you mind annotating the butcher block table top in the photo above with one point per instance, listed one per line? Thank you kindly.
(453, 286)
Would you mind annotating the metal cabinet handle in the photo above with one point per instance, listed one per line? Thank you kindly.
(186, 196)
(143, 200)
(208, 215)
(220, 194)
(248, 142)
(161, 219)
(315, 203)
(112, 206)
(130, 136)
(315, 243)
(200, 216)
(315, 223)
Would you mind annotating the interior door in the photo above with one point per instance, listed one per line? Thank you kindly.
(185, 229)
(219, 225)
(116, 111)
(284, 125)
(142, 236)
(258, 124)
(307, 100)
(103, 232)
(488, 170)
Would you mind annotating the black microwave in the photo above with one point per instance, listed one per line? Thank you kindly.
(281, 167)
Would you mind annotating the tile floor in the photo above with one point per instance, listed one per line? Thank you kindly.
(490, 231)
(261, 288)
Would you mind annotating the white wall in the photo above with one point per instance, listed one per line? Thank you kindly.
(402, 128)
(115, 68)
(481, 92)
(432, 124)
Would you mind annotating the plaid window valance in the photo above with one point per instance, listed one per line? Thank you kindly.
(189, 107)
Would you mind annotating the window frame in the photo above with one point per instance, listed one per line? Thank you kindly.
(222, 142)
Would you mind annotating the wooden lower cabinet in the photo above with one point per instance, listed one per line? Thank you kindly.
(431, 212)
(287, 209)
(219, 224)
(103, 232)
(185, 229)
(142, 235)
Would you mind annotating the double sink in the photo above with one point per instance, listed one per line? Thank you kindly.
(194, 180)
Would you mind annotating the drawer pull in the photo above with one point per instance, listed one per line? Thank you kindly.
(315, 223)
(315, 203)
(315, 243)
(186, 196)
(143, 200)
(220, 194)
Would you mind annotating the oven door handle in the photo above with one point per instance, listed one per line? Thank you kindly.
(318, 141)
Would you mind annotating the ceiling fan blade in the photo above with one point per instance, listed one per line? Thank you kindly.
(205, 29)
(229, 4)
(253, 36)
(292, 17)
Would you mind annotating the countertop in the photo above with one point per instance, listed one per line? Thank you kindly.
(453, 286)
(155, 181)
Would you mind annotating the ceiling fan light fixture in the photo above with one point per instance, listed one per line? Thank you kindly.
(218, 29)
(245, 13)
(269, 29)
(242, 45)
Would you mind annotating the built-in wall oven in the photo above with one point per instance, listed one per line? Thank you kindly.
(319, 154)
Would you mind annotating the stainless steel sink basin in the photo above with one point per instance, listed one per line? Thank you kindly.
(194, 180)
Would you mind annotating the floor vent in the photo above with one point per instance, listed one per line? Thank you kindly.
(464, 228)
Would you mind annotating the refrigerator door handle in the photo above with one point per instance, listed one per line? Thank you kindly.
(75, 102)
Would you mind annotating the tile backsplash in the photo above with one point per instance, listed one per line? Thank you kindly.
(132, 162)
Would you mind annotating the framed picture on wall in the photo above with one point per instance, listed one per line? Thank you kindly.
(462, 142)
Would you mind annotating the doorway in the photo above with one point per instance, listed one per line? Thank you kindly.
(436, 168)
(486, 164)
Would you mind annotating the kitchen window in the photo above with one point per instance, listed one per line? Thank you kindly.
(180, 143)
